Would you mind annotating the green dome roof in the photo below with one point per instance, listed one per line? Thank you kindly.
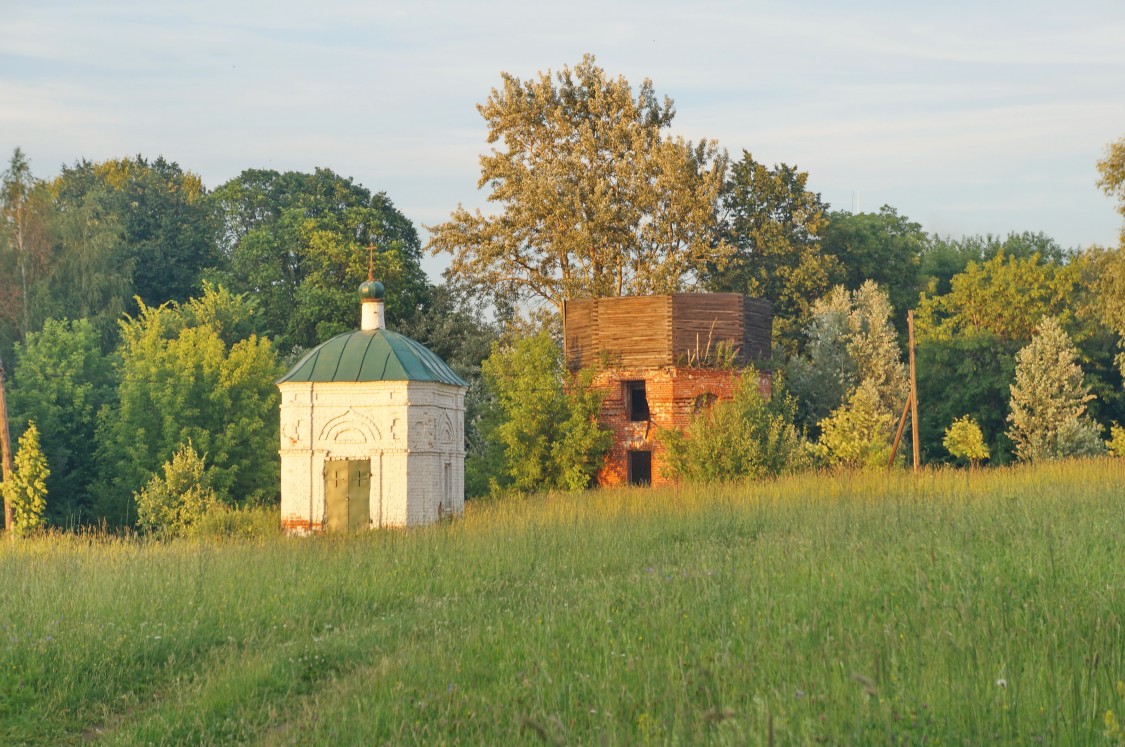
(372, 289)
(374, 355)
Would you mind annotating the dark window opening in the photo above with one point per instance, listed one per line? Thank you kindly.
(636, 402)
(640, 467)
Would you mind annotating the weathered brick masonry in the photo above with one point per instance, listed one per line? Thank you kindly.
(657, 360)
(674, 396)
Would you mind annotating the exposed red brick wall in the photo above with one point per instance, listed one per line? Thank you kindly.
(673, 394)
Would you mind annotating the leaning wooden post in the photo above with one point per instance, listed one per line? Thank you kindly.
(5, 449)
(898, 433)
(913, 391)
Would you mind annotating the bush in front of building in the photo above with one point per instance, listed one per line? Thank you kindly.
(544, 422)
(748, 435)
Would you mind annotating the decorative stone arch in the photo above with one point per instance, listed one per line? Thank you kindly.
(446, 432)
(350, 427)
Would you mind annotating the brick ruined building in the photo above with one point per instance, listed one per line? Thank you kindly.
(650, 355)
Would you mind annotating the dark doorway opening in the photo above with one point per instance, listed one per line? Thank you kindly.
(640, 467)
(636, 401)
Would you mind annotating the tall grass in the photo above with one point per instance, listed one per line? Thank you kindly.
(942, 608)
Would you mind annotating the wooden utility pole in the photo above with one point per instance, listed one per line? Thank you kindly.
(5, 449)
(913, 391)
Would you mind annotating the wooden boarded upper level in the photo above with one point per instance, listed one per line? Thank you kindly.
(656, 331)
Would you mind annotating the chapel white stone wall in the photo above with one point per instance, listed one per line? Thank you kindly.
(412, 432)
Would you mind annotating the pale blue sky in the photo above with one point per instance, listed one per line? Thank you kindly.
(969, 117)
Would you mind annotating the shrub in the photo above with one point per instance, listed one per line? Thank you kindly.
(745, 436)
(544, 420)
(1117, 440)
(221, 521)
(173, 505)
(964, 440)
(27, 488)
(857, 434)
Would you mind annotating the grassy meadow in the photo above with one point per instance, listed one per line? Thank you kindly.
(946, 608)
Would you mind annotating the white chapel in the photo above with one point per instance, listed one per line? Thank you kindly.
(372, 431)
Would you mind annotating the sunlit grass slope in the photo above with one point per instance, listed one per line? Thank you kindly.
(873, 609)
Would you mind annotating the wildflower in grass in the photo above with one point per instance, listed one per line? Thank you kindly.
(26, 490)
(1112, 727)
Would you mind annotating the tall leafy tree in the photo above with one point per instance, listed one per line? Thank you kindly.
(884, 247)
(1005, 295)
(968, 339)
(1111, 171)
(966, 374)
(166, 235)
(61, 380)
(25, 247)
(93, 276)
(593, 197)
(851, 342)
(545, 423)
(1048, 412)
(186, 373)
(775, 225)
(297, 244)
(1109, 276)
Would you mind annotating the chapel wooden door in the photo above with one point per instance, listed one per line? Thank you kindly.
(347, 494)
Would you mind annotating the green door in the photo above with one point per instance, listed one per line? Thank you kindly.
(359, 495)
(347, 489)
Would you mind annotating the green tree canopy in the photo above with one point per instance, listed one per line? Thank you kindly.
(61, 380)
(166, 237)
(546, 421)
(775, 225)
(1005, 295)
(945, 257)
(968, 338)
(850, 341)
(1049, 396)
(1111, 171)
(25, 248)
(884, 247)
(594, 199)
(298, 245)
(186, 374)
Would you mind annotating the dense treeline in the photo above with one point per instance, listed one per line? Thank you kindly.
(142, 314)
